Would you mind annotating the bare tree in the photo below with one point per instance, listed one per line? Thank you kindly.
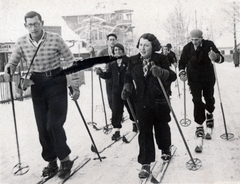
(232, 12)
(176, 25)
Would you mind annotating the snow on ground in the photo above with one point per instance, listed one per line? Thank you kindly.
(220, 158)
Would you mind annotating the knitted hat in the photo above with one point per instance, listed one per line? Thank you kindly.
(120, 46)
(169, 45)
(196, 33)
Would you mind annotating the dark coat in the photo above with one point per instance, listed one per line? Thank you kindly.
(199, 66)
(172, 57)
(148, 85)
(116, 74)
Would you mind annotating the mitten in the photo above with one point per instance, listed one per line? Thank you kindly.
(8, 70)
(74, 92)
(127, 91)
(99, 71)
(213, 56)
(183, 75)
(157, 71)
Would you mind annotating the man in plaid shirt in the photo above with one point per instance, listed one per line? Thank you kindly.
(49, 93)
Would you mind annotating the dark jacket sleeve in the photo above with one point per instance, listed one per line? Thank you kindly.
(107, 74)
(183, 58)
(165, 65)
(214, 48)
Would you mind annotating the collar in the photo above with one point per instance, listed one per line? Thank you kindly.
(44, 35)
(195, 47)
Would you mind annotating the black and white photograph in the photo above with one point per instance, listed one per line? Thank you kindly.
(119, 92)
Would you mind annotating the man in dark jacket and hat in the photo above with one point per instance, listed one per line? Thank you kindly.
(196, 65)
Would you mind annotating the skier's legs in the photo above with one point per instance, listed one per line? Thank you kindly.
(41, 111)
(208, 94)
(145, 138)
(56, 117)
(161, 126)
(199, 106)
(117, 110)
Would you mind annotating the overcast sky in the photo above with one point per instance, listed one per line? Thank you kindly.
(148, 15)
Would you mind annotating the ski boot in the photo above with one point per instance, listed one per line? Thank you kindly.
(116, 136)
(65, 169)
(50, 170)
(209, 124)
(145, 171)
(199, 135)
(166, 155)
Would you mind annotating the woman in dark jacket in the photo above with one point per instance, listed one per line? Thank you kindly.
(150, 104)
(116, 72)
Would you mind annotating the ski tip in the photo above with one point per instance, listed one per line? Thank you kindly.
(93, 149)
(124, 139)
(208, 136)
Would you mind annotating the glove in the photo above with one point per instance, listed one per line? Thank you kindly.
(25, 83)
(157, 71)
(212, 55)
(99, 71)
(74, 92)
(8, 71)
(127, 91)
(183, 76)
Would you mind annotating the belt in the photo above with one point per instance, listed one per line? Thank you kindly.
(48, 73)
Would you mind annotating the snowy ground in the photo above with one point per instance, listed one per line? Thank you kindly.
(220, 158)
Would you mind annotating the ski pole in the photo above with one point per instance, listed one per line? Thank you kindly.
(133, 113)
(90, 135)
(179, 94)
(226, 135)
(106, 129)
(195, 163)
(92, 123)
(19, 165)
(185, 122)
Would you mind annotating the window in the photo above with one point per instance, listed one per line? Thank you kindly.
(223, 52)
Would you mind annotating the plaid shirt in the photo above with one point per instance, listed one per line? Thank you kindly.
(48, 57)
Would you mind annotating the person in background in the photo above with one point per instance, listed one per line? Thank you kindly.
(49, 93)
(196, 66)
(111, 41)
(143, 74)
(172, 59)
(116, 71)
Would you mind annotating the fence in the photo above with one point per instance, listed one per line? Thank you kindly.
(18, 94)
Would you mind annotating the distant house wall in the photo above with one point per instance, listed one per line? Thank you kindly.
(227, 52)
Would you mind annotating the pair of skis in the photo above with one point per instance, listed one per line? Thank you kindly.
(158, 170)
(126, 138)
(74, 171)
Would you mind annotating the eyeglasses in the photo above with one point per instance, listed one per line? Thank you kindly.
(36, 24)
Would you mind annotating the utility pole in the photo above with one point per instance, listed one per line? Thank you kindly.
(196, 19)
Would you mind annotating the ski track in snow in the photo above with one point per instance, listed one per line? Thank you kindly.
(220, 158)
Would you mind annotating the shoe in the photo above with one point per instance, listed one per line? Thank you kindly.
(145, 171)
(116, 136)
(50, 170)
(166, 155)
(199, 135)
(135, 129)
(210, 121)
(199, 132)
(65, 169)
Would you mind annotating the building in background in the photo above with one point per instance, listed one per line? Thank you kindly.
(95, 27)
